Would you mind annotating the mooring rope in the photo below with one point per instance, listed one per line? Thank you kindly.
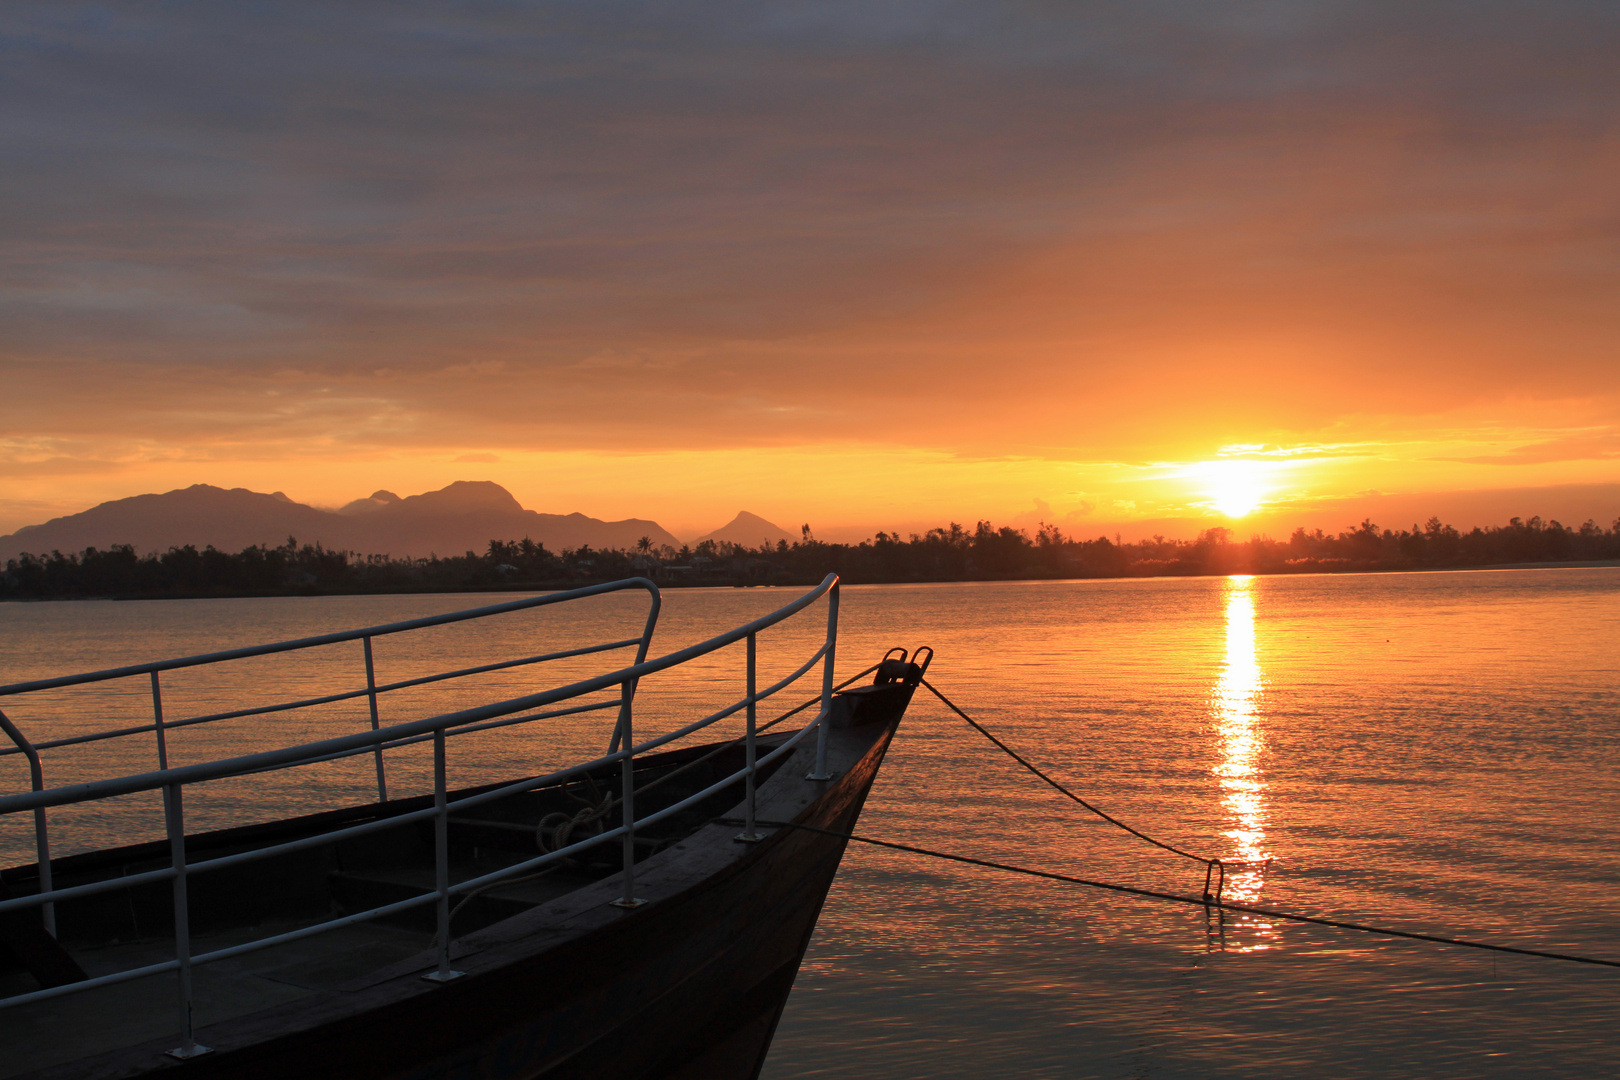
(1205, 902)
(1211, 866)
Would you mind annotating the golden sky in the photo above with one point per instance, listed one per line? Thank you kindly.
(858, 265)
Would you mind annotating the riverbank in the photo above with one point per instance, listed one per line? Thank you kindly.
(722, 582)
(954, 553)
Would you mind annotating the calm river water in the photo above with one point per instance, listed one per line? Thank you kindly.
(1435, 752)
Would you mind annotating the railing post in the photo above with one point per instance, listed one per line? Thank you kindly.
(749, 835)
(641, 654)
(376, 721)
(621, 726)
(627, 775)
(157, 721)
(174, 821)
(821, 772)
(441, 859)
(42, 834)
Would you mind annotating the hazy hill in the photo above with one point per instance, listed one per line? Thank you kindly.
(200, 514)
(375, 501)
(750, 530)
(445, 521)
(467, 515)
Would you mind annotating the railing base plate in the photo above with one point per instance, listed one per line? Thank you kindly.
(443, 976)
(628, 902)
(195, 1050)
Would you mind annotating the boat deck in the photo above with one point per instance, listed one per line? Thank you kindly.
(350, 876)
(47, 1033)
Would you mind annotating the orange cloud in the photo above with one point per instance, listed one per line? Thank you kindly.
(787, 250)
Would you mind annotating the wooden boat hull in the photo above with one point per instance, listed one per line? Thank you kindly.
(689, 984)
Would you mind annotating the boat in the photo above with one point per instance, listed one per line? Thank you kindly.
(641, 914)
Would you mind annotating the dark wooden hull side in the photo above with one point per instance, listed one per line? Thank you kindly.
(690, 984)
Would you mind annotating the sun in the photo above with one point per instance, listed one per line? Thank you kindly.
(1234, 486)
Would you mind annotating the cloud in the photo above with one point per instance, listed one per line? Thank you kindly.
(1582, 447)
(1136, 231)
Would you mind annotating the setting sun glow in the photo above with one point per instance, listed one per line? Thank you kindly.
(1234, 486)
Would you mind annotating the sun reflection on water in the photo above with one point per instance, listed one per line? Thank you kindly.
(1235, 704)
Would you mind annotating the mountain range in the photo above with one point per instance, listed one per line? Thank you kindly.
(464, 516)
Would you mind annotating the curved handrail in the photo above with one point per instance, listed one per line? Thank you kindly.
(42, 836)
(437, 728)
(23, 745)
(214, 770)
(341, 636)
(466, 802)
(326, 699)
(616, 833)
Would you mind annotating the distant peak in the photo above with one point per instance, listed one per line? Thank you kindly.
(465, 495)
(205, 494)
(375, 501)
(748, 529)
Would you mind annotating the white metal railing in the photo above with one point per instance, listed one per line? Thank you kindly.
(161, 727)
(437, 729)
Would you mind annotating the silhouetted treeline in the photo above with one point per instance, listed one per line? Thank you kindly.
(990, 553)
(952, 553)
